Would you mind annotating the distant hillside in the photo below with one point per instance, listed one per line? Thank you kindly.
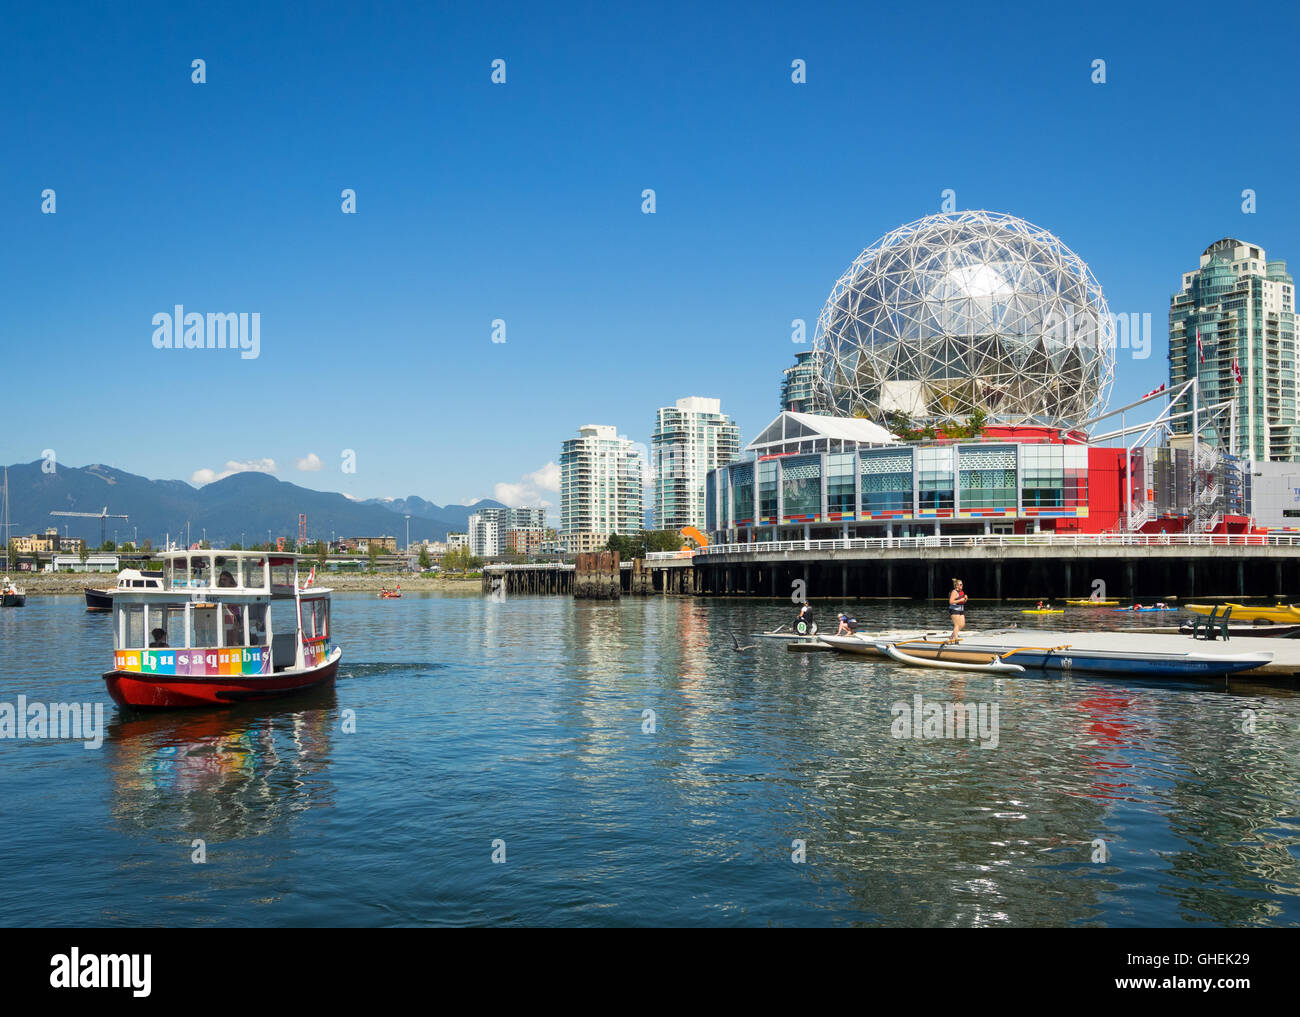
(242, 506)
(455, 516)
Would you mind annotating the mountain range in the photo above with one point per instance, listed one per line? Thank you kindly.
(243, 507)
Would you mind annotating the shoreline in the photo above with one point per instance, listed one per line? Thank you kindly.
(46, 584)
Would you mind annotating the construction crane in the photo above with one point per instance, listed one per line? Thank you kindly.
(103, 516)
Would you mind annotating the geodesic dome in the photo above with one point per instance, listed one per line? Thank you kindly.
(964, 311)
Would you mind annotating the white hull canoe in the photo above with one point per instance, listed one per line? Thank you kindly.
(994, 665)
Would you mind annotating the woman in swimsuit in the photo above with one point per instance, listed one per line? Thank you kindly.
(957, 608)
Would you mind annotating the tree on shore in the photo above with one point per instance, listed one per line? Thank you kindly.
(424, 561)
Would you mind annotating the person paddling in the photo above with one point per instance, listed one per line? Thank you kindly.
(957, 609)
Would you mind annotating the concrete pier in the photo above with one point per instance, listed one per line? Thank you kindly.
(1131, 567)
(597, 576)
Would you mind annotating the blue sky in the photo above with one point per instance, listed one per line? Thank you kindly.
(522, 202)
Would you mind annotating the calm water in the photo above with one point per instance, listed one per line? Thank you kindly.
(523, 721)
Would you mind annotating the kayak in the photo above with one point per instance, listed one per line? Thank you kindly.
(1145, 610)
(1044, 610)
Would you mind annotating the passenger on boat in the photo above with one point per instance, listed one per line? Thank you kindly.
(226, 579)
(159, 640)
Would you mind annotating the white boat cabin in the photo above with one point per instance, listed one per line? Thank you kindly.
(222, 601)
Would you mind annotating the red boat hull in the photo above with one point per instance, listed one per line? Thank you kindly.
(169, 692)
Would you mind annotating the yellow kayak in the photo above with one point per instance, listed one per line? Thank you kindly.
(1277, 613)
(1093, 603)
(1044, 610)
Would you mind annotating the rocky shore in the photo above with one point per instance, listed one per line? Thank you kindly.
(43, 584)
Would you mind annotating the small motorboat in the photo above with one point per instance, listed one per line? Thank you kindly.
(386, 594)
(11, 595)
(1242, 613)
(226, 627)
(127, 579)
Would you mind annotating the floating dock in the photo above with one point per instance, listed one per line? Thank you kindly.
(1284, 665)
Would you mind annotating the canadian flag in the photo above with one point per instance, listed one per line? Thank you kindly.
(311, 577)
(1236, 371)
(1154, 391)
(1200, 350)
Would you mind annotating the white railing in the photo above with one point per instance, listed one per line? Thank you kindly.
(1140, 515)
(1012, 540)
(542, 567)
(670, 555)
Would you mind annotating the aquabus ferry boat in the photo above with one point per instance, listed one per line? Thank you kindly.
(225, 627)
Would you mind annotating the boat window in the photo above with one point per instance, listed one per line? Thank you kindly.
(232, 624)
(171, 619)
(256, 624)
(255, 573)
(315, 618)
(200, 571)
(134, 637)
(281, 573)
(203, 626)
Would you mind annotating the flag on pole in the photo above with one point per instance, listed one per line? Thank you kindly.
(1154, 391)
(1236, 371)
(1200, 350)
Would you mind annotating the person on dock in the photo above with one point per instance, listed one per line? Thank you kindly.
(957, 610)
(803, 624)
(848, 626)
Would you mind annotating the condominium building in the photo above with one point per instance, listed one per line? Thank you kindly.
(797, 384)
(489, 528)
(601, 484)
(690, 439)
(1233, 326)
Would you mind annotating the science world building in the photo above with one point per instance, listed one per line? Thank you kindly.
(965, 312)
(956, 365)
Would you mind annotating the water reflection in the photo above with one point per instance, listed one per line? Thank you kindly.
(222, 775)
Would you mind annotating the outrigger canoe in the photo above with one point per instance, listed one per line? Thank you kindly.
(995, 664)
(1242, 613)
(1092, 603)
(1065, 658)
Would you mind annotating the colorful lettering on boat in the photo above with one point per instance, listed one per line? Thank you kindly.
(254, 660)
